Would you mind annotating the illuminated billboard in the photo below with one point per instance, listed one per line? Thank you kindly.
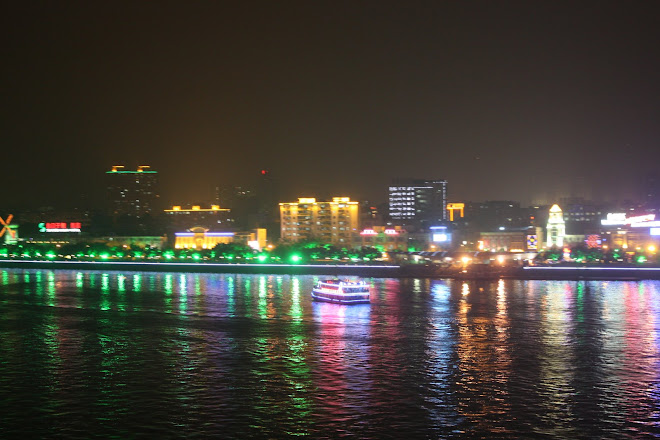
(59, 227)
(593, 241)
(620, 218)
(439, 234)
(532, 242)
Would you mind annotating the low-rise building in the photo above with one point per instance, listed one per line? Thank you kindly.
(386, 238)
(512, 240)
(200, 238)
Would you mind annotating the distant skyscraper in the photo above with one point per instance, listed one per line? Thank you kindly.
(423, 202)
(652, 190)
(268, 198)
(133, 193)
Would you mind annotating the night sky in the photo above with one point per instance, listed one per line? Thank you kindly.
(525, 101)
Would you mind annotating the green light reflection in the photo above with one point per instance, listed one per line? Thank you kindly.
(168, 284)
(296, 308)
(51, 290)
(262, 305)
(248, 297)
(231, 302)
(105, 288)
(182, 285)
(169, 289)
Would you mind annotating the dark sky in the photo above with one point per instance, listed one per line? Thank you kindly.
(506, 100)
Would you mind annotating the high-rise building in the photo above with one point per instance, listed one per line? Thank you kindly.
(332, 222)
(494, 215)
(132, 193)
(652, 190)
(416, 201)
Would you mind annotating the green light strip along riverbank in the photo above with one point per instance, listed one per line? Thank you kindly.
(375, 271)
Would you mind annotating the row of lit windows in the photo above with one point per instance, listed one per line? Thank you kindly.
(398, 195)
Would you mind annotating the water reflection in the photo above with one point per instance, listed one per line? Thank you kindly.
(112, 354)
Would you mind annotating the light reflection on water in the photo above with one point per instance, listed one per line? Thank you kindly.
(87, 354)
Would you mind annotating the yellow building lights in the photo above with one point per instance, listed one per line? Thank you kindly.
(197, 208)
(451, 207)
(328, 221)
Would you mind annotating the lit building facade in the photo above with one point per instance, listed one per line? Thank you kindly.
(213, 218)
(133, 193)
(200, 238)
(494, 214)
(385, 238)
(556, 228)
(630, 232)
(422, 202)
(513, 240)
(332, 222)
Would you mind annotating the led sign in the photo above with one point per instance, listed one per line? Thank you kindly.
(619, 218)
(59, 227)
(655, 231)
(593, 241)
(440, 234)
(532, 242)
(12, 234)
(652, 224)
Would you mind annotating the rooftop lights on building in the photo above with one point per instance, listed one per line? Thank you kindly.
(198, 208)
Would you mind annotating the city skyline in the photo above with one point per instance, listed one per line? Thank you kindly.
(514, 101)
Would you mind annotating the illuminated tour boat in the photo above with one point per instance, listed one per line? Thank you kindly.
(341, 292)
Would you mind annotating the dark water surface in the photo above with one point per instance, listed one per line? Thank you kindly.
(149, 355)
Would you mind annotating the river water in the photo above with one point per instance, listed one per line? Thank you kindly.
(87, 354)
